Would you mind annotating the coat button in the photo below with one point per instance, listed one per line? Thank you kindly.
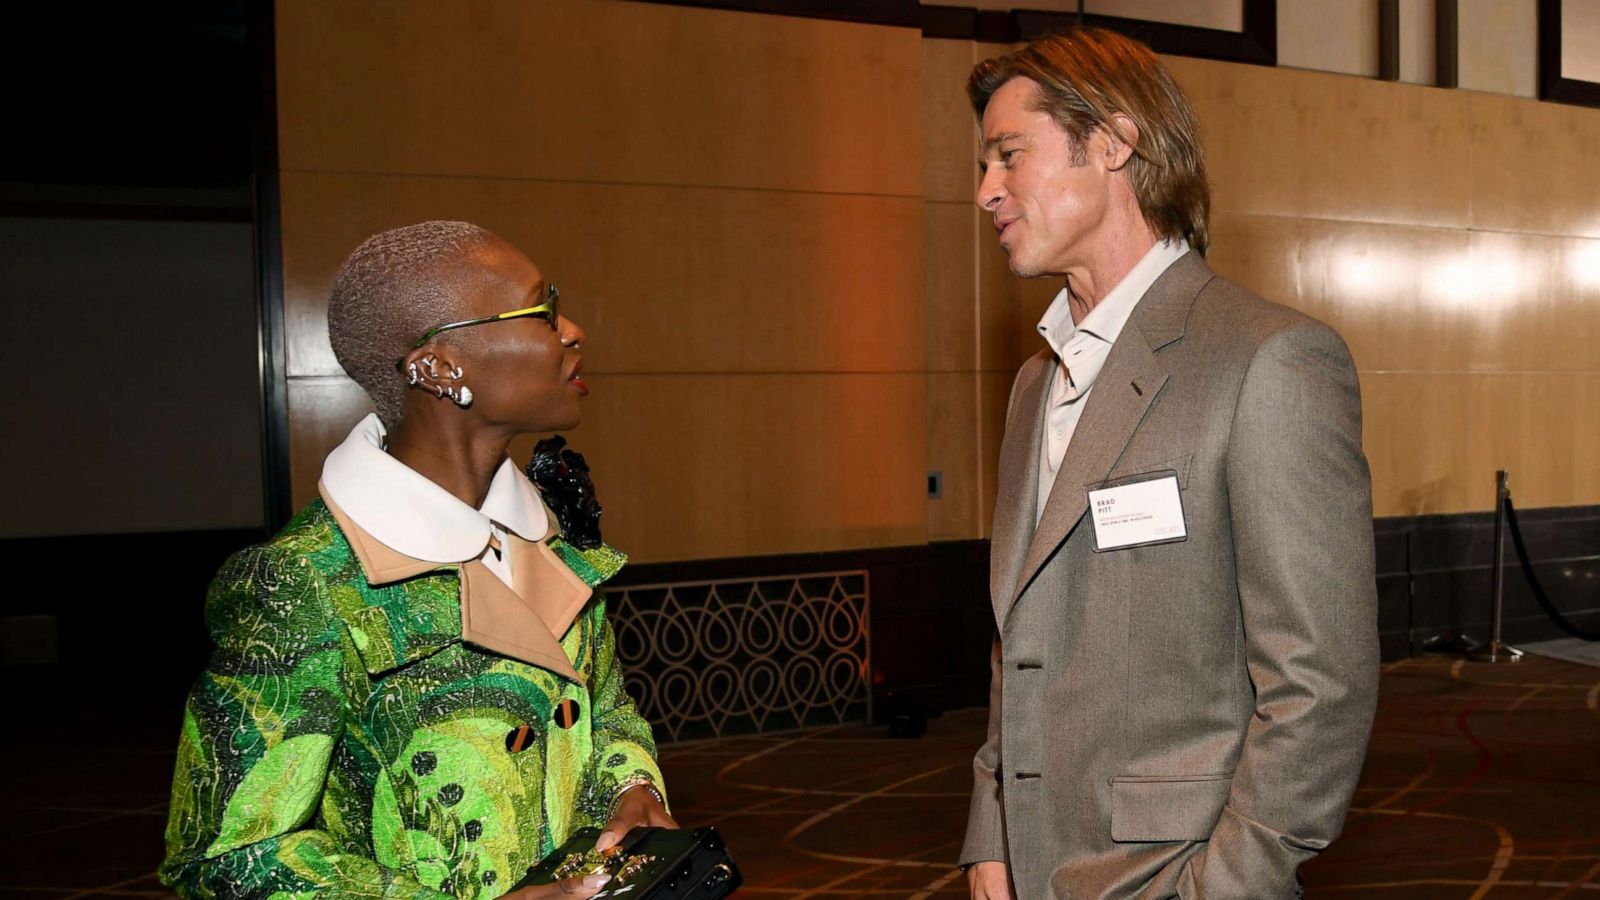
(521, 738)
(567, 713)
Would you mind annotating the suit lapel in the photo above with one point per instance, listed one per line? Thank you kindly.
(1016, 499)
(1123, 392)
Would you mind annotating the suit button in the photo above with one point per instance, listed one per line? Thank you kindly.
(567, 713)
(521, 738)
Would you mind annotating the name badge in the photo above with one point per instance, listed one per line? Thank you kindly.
(1139, 513)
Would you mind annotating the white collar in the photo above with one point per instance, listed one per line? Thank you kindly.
(410, 514)
(1109, 316)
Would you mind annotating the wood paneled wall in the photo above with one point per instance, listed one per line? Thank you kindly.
(765, 225)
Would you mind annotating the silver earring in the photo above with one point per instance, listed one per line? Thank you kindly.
(438, 390)
(413, 376)
(455, 374)
(462, 396)
(428, 362)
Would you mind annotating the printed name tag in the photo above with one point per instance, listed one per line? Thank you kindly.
(1144, 512)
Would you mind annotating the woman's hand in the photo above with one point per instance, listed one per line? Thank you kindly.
(638, 806)
(566, 889)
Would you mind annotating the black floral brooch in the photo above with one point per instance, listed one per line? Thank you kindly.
(562, 477)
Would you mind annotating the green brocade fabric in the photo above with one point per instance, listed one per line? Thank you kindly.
(345, 742)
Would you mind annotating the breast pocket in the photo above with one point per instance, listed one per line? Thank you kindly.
(1150, 808)
(1138, 470)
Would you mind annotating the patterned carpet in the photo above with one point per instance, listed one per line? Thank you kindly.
(1482, 781)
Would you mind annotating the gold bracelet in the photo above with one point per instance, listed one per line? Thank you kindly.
(637, 781)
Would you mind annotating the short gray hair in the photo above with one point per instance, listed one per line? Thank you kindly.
(395, 286)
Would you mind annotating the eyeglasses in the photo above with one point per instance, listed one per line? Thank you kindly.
(549, 310)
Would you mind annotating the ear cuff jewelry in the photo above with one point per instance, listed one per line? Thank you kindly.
(460, 395)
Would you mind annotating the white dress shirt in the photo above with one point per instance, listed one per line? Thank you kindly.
(410, 514)
(1081, 349)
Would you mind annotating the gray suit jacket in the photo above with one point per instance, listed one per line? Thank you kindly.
(1187, 719)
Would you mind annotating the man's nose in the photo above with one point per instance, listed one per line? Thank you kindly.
(989, 190)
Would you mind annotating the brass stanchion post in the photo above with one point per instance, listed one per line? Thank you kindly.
(1497, 651)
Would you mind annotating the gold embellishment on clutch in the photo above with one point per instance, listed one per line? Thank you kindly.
(622, 866)
(590, 862)
(633, 866)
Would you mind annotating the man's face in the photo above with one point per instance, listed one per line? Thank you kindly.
(1048, 202)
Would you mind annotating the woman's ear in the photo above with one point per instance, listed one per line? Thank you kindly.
(432, 369)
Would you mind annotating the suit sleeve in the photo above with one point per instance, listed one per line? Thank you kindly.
(985, 839)
(259, 732)
(1301, 505)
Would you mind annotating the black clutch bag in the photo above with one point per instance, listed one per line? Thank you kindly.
(649, 864)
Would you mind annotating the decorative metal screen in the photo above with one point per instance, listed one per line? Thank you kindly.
(713, 658)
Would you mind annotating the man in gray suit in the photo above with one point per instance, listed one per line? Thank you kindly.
(1182, 563)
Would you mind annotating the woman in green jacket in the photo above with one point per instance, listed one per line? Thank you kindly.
(415, 691)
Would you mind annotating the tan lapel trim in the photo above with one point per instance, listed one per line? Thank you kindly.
(1124, 390)
(381, 563)
(550, 588)
(493, 616)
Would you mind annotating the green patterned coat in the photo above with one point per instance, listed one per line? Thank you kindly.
(344, 741)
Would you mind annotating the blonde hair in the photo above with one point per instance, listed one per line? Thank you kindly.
(1088, 75)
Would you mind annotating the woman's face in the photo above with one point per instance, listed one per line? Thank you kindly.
(523, 374)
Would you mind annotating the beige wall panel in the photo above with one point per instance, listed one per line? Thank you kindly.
(1425, 299)
(1340, 36)
(950, 145)
(1266, 255)
(1580, 40)
(662, 279)
(1419, 43)
(701, 466)
(1534, 166)
(994, 392)
(599, 91)
(1499, 46)
(954, 440)
(1310, 144)
(950, 286)
(1008, 307)
(1435, 440)
(321, 413)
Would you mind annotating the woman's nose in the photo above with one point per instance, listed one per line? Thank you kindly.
(571, 334)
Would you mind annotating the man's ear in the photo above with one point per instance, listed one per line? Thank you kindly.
(1122, 135)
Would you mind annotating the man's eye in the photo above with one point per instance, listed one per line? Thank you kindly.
(1005, 157)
